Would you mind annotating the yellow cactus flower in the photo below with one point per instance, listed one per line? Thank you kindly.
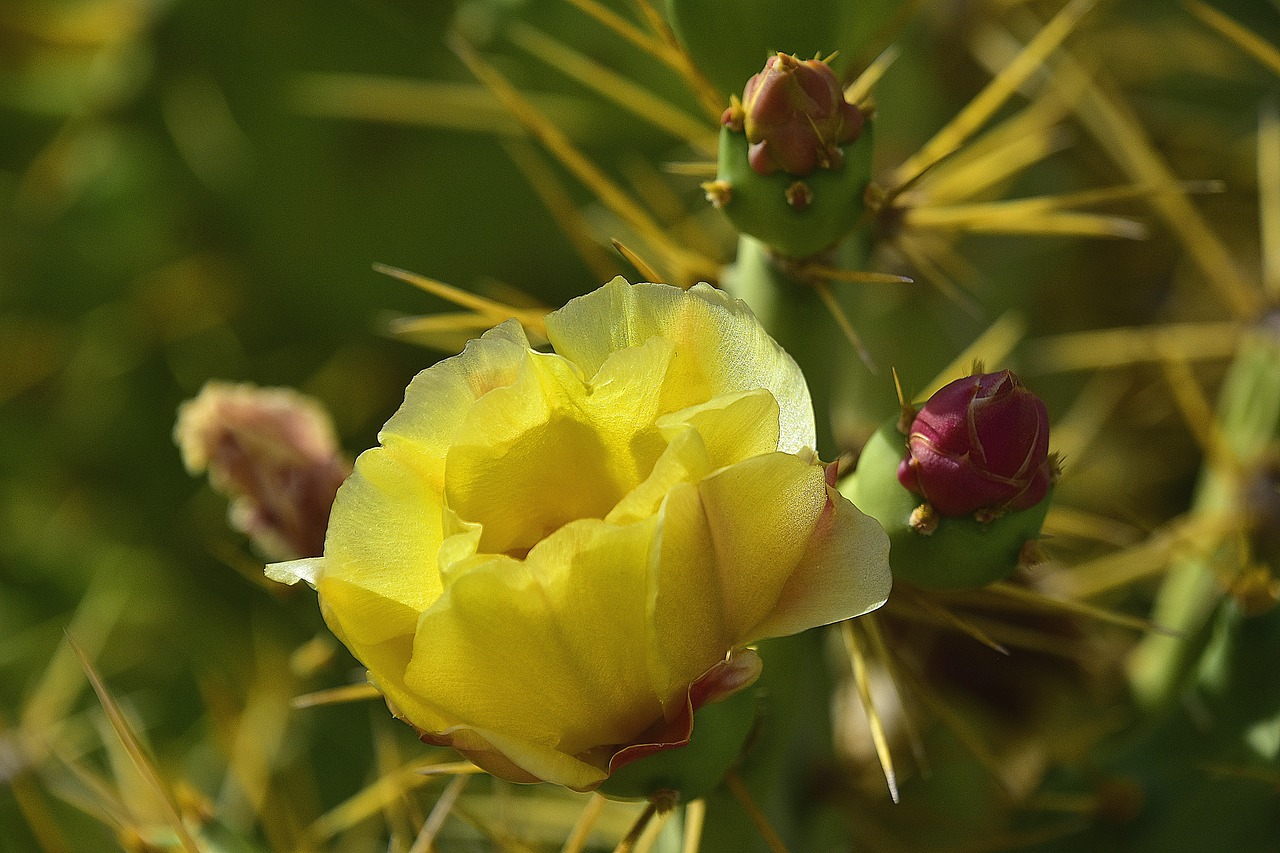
(553, 558)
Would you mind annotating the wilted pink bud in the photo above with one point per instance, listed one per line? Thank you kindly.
(795, 117)
(273, 452)
(980, 445)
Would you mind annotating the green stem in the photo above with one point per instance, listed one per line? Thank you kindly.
(1248, 423)
(796, 316)
(789, 762)
(792, 755)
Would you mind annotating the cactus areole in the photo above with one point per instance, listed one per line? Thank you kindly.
(795, 158)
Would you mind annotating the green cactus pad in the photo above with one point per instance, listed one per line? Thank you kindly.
(720, 730)
(757, 204)
(962, 552)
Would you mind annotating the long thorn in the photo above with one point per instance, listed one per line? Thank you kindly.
(1002, 86)
(653, 831)
(451, 768)
(642, 266)
(581, 831)
(739, 790)
(963, 733)
(1001, 153)
(613, 197)
(935, 275)
(137, 755)
(618, 89)
(859, 90)
(862, 680)
(375, 797)
(629, 31)
(628, 843)
(992, 347)
(439, 813)
(549, 189)
(456, 295)
(695, 814)
(1113, 124)
(1078, 608)
(880, 651)
(964, 626)
(855, 276)
(1196, 411)
(1242, 36)
(40, 820)
(1128, 346)
(886, 35)
(712, 101)
(1269, 197)
(336, 696)
(906, 411)
(837, 313)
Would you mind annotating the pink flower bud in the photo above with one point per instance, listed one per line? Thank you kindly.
(273, 452)
(795, 117)
(980, 445)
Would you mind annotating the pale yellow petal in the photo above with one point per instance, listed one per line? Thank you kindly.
(760, 514)
(550, 650)
(549, 448)
(436, 400)
(685, 460)
(733, 426)
(531, 463)
(540, 762)
(688, 606)
(843, 573)
(728, 547)
(386, 659)
(702, 439)
(386, 525)
(290, 572)
(384, 532)
(362, 617)
(720, 347)
(494, 751)
(625, 402)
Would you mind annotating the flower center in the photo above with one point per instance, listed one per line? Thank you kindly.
(526, 488)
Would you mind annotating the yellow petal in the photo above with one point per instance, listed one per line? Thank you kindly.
(625, 401)
(384, 533)
(386, 525)
(549, 650)
(363, 618)
(720, 347)
(437, 399)
(688, 605)
(760, 514)
(729, 544)
(733, 426)
(551, 448)
(387, 660)
(843, 573)
(701, 439)
(685, 460)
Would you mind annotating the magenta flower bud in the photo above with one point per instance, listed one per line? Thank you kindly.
(980, 446)
(795, 117)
